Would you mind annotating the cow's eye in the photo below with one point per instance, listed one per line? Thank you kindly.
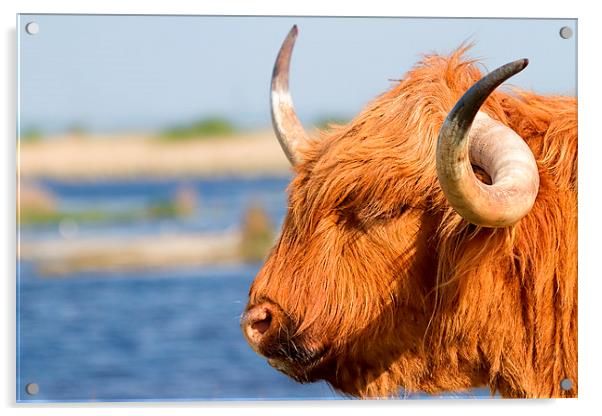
(388, 214)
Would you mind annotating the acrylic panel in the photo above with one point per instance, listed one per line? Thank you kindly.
(186, 232)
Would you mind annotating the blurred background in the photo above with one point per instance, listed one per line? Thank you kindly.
(151, 186)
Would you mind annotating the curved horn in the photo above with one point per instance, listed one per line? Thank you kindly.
(287, 126)
(495, 148)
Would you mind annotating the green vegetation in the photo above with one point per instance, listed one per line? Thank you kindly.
(32, 216)
(31, 135)
(208, 127)
(325, 123)
(159, 210)
(257, 234)
(38, 206)
(165, 209)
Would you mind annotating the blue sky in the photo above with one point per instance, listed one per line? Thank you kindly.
(115, 73)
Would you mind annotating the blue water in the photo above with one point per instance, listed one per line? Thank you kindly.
(170, 334)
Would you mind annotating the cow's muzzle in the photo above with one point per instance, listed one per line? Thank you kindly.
(270, 333)
(266, 328)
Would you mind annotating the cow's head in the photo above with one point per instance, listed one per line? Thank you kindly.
(346, 291)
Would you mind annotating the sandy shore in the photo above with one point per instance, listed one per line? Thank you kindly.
(59, 257)
(128, 156)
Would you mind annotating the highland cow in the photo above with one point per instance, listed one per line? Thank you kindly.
(430, 244)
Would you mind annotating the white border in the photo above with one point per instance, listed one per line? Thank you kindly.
(589, 231)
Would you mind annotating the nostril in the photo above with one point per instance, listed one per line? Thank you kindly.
(257, 322)
(262, 325)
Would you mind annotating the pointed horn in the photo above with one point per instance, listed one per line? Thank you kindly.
(288, 128)
(469, 136)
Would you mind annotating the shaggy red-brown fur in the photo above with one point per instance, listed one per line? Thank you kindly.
(376, 270)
